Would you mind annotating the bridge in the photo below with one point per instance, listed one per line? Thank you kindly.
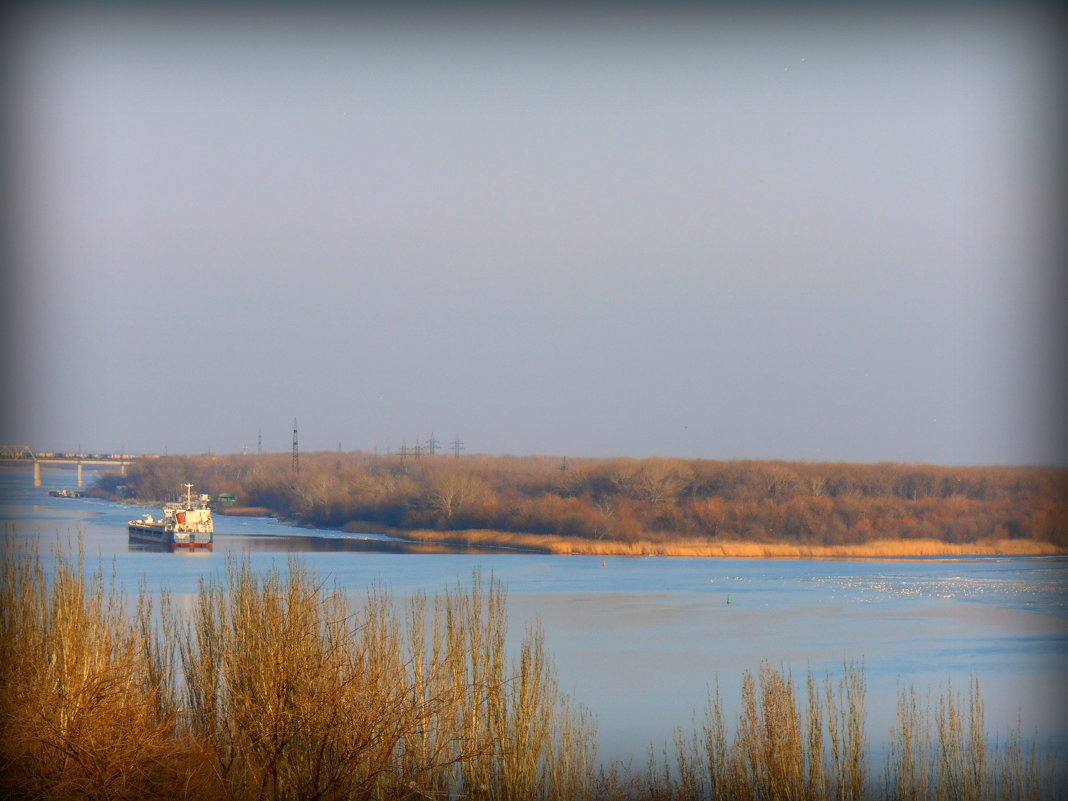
(23, 454)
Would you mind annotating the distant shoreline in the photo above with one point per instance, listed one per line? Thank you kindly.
(567, 546)
(730, 549)
(641, 507)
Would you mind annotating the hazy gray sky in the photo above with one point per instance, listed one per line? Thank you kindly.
(729, 234)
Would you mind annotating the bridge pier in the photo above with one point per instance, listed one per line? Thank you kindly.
(36, 473)
(80, 482)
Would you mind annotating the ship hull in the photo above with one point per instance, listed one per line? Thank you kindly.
(162, 538)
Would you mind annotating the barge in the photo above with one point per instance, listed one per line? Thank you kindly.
(186, 525)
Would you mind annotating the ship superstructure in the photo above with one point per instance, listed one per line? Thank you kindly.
(186, 524)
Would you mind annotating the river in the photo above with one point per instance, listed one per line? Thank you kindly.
(640, 640)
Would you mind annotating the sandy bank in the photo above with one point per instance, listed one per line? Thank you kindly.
(877, 549)
(246, 511)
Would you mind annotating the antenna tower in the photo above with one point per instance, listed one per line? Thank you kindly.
(296, 451)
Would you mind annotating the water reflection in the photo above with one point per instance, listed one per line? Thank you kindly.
(290, 543)
(144, 547)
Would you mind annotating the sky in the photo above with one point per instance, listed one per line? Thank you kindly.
(613, 230)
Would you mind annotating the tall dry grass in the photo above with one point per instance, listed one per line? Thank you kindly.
(87, 701)
(277, 687)
(788, 743)
(808, 742)
(875, 549)
(942, 750)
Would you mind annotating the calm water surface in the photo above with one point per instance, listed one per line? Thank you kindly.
(640, 640)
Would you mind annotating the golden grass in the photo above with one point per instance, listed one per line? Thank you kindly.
(807, 742)
(275, 688)
(876, 549)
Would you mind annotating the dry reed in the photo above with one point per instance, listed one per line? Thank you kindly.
(786, 749)
(876, 549)
(275, 688)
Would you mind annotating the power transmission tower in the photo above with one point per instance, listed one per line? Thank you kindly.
(432, 444)
(296, 451)
(259, 441)
(457, 446)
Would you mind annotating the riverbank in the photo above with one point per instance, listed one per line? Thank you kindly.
(641, 506)
(246, 511)
(876, 549)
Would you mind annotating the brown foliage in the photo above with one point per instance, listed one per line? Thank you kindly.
(274, 689)
(626, 500)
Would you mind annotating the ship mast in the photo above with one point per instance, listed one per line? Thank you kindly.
(189, 495)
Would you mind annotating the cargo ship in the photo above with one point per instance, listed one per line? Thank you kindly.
(186, 524)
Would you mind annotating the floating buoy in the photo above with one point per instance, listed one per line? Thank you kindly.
(604, 564)
(728, 599)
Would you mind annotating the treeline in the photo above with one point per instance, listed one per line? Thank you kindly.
(627, 500)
